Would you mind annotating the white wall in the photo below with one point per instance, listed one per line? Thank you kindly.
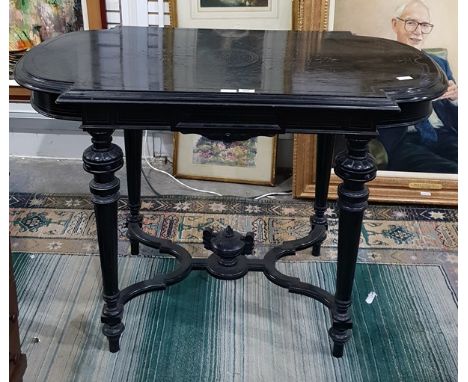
(135, 12)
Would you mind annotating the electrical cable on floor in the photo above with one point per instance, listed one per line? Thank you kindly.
(272, 194)
(171, 176)
(149, 184)
(192, 188)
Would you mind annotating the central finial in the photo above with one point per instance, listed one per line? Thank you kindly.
(228, 232)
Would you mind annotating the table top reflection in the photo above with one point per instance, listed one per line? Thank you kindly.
(335, 68)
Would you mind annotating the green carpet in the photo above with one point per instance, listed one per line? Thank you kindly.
(204, 329)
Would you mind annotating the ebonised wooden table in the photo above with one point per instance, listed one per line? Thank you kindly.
(230, 85)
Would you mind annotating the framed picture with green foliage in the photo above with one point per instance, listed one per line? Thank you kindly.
(251, 161)
(35, 21)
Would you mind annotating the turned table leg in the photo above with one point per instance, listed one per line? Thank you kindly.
(103, 159)
(133, 140)
(355, 167)
(324, 158)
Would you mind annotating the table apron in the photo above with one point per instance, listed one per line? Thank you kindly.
(257, 120)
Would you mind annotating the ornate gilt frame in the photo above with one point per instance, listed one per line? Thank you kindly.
(172, 13)
(310, 14)
(314, 15)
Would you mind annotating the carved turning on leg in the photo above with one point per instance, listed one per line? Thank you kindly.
(355, 167)
(103, 159)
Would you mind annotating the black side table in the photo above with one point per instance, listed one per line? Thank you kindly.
(230, 87)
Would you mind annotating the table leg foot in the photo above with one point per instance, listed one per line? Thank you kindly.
(340, 332)
(134, 247)
(112, 319)
(113, 335)
(338, 348)
(316, 249)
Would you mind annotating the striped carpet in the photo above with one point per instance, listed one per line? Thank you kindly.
(204, 329)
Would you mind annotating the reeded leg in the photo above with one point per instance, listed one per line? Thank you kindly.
(355, 167)
(324, 158)
(133, 139)
(103, 159)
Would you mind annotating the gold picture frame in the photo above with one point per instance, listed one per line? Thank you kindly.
(251, 162)
(391, 187)
(96, 12)
(172, 13)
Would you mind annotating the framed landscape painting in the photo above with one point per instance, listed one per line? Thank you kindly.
(34, 21)
(251, 161)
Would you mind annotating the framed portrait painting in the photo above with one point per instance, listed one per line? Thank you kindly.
(389, 186)
(251, 161)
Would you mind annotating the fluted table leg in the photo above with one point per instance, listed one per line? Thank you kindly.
(355, 167)
(103, 159)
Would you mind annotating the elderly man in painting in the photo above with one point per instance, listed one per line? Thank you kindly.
(431, 145)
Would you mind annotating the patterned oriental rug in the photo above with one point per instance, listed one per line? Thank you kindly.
(205, 329)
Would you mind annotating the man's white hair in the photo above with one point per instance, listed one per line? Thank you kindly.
(401, 8)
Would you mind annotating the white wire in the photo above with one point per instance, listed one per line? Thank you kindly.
(172, 177)
(271, 194)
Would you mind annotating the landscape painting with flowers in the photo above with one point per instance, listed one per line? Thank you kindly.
(250, 161)
(237, 154)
